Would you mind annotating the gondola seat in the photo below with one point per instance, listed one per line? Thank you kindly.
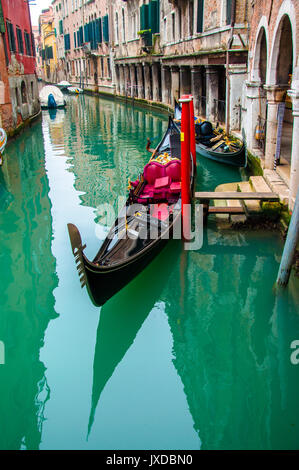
(159, 181)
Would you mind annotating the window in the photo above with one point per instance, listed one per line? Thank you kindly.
(165, 29)
(109, 68)
(33, 45)
(123, 25)
(60, 27)
(173, 25)
(191, 17)
(228, 11)
(106, 28)
(200, 12)
(116, 26)
(49, 52)
(17, 96)
(11, 37)
(20, 40)
(180, 23)
(23, 92)
(32, 91)
(27, 43)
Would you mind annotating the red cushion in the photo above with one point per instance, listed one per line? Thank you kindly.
(162, 182)
(175, 187)
(173, 170)
(152, 171)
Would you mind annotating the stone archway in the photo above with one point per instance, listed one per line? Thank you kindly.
(279, 81)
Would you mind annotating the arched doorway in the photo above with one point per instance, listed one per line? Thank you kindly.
(284, 71)
(259, 76)
(279, 106)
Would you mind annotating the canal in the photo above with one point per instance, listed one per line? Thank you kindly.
(192, 354)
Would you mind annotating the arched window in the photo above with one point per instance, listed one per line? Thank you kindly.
(23, 92)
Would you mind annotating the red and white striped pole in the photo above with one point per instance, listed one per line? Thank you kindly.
(185, 163)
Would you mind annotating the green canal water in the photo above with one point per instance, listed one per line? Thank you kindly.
(192, 354)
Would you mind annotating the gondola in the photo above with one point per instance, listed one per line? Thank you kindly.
(143, 227)
(212, 142)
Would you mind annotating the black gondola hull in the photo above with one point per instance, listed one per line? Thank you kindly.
(103, 283)
(237, 158)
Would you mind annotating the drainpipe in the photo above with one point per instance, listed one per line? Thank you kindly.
(232, 23)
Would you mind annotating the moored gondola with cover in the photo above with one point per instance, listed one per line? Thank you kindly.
(212, 142)
(143, 227)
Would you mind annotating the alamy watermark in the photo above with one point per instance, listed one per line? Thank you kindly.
(152, 221)
(2, 353)
(294, 358)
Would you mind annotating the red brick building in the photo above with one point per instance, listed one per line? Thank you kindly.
(17, 61)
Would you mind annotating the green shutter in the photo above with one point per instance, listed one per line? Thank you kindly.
(144, 17)
(228, 11)
(153, 16)
(2, 22)
(60, 27)
(200, 12)
(105, 21)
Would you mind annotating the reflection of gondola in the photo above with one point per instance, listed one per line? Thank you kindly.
(120, 322)
(139, 233)
(214, 144)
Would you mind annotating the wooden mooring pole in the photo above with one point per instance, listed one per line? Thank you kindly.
(289, 247)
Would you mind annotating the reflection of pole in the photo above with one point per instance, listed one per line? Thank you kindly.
(289, 247)
(185, 161)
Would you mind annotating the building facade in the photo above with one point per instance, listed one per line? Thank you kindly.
(83, 43)
(166, 48)
(271, 93)
(47, 46)
(19, 97)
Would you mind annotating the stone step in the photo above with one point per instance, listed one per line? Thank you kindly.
(250, 205)
(259, 184)
(229, 203)
(277, 185)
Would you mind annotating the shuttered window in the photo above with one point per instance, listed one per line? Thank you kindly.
(200, 13)
(20, 40)
(228, 11)
(99, 30)
(67, 42)
(11, 37)
(27, 43)
(60, 27)
(105, 21)
(49, 52)
(33, 45)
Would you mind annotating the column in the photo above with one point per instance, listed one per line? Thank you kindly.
(196, 88)
(147, 82)
(212, 89)
(140, 89)
(117, 79)
(166, 84)
(127, 80)
(121, 78)
(237, 77)
(175, 83)
(185, 80)
(250, 118)
(132, 80)
(274, 97)
(156, 91)
(294, 180)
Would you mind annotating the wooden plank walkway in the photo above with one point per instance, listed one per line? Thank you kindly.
(230, 195)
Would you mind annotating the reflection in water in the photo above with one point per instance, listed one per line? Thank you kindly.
(191, 353)
(27, 273)
(227, 349)
(122, 317)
